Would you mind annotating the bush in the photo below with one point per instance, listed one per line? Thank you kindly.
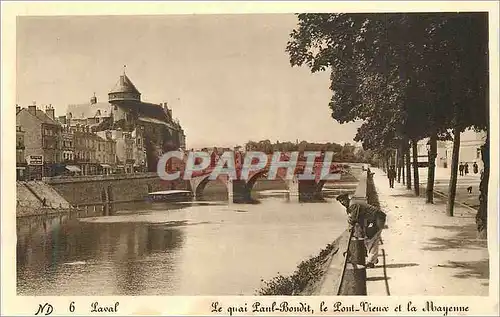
(371, 192)
(307, 272)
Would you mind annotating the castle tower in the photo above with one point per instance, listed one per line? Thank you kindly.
(124, 90)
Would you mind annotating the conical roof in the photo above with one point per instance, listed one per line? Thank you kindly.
(124, 90)
(124, 84)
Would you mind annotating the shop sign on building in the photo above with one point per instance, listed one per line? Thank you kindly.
(35, 160)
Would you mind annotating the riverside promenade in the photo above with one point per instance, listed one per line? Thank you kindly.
(425, 252)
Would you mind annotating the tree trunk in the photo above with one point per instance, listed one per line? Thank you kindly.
(431, 169)
(408, 166)
(398, 163)
(452, 189)
(403, 167)
(482, 213)
(416, 184)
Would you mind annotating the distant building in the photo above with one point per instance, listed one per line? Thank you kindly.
(470, 150)
(85, 150)
(124, 151)
(41, 138)
(20, 155)
(155, 129)
(106, 152)
(68, 145)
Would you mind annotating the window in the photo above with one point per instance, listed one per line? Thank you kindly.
(478, 153)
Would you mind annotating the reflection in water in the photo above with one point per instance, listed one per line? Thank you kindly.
(199, 248)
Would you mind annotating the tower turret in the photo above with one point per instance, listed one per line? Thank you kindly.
(124, 90)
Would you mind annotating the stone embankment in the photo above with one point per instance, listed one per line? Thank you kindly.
(322, 274)
(60, 194)
(89, 190)
(38, 198)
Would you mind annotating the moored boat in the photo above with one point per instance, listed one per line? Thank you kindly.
(170, 196)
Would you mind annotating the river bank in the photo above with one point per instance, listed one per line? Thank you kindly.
(321, 274)
(62, 194)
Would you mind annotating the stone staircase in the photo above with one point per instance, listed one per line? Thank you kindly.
(42, 191)
(25, 197)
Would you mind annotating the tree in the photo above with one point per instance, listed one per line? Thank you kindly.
(405, 88)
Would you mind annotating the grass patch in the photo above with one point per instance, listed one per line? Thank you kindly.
(301, 281)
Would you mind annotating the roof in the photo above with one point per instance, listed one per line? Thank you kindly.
(124, 84)
(156, 121)
(41, 115)
(146, 109)
(88, 110)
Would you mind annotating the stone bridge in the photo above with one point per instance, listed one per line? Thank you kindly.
(239, 189)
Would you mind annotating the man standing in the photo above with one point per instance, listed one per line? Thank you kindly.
(371, 220)
(475, 168)
(461, 169)
(391, 174)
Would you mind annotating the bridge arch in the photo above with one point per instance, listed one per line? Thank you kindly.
(198, 184)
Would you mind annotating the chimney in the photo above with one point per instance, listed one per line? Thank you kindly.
(170, 113)
(93, 100)
(32, 108)
(49, 110)
(18, 108)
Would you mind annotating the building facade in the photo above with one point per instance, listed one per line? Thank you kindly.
(42, 137)
(470, 150)
(146, 127)
(106, 152)
(20, 154)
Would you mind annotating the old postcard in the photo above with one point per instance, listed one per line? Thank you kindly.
(241, 158)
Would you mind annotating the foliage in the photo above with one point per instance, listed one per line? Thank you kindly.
(402, 86)
(342, 153)
(307, 273)
(371, 192)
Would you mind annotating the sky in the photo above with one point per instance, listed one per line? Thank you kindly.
(227, 78)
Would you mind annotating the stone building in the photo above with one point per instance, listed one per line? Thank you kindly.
(20, 155)
(124, 151)
(67, 146)
(106, 152)
(470, 150)
(42, 137)
(85, 149)
(155, 129)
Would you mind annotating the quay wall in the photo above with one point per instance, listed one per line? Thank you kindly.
(322, 274)
(88, 190)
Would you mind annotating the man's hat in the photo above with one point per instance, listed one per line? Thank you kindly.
(343, 197)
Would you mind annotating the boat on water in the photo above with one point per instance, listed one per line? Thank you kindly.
(170, 196)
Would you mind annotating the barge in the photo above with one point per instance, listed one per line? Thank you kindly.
(170, 196)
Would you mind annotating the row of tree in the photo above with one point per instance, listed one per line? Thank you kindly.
(408, 77)
(342, 153)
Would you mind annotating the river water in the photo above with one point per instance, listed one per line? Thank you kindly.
(205, 248)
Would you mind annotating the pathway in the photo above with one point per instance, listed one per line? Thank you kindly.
(424, 251)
